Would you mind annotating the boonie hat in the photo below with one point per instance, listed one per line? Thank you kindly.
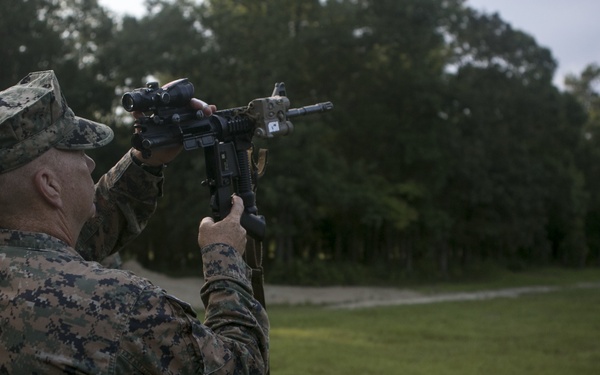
(34, 117)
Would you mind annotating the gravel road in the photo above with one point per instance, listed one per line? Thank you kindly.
(188, 289)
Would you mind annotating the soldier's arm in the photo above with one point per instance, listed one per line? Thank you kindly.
(163, 334)
(126, 197)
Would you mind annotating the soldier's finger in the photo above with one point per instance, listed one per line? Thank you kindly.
(236, 209)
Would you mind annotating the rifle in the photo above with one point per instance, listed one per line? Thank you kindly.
(226, 138)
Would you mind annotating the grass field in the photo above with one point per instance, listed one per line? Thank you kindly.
(555, 333)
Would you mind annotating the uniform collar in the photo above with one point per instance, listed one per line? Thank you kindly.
(34, 241)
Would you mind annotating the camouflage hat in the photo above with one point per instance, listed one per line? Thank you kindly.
(34, 117)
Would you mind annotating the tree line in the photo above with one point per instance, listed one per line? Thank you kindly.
(449, 146)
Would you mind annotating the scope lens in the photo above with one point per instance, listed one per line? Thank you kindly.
(128, 102)
(164, 97)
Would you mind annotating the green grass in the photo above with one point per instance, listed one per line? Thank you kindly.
(496, 278)
(550, 333)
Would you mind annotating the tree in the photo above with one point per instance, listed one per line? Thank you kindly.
(585, 89)
(523, 190)
(448, 145)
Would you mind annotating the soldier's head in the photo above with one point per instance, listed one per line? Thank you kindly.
(35, 117)
(43, 165)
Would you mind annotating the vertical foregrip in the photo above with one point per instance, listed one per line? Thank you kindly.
(245, 182)
(254, 224)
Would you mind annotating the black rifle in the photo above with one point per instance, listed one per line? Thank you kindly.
(226, 137)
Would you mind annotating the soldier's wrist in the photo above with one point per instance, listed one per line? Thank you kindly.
(150, 168)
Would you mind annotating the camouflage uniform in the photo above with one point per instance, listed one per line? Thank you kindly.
(62, 313)
(126, 197)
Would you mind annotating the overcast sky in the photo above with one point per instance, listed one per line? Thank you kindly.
(569, 28)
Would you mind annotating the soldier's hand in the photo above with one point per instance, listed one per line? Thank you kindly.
(227, 231)
(166, 155)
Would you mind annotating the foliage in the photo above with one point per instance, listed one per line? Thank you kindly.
(586, 90)
(449, 146)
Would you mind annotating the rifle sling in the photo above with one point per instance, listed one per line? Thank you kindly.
(253, 257)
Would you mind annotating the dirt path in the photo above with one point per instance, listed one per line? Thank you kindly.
(188, 289)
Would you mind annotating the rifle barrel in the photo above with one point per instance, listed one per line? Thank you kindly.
(310, 109)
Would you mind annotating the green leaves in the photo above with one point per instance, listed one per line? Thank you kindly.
(448, 144)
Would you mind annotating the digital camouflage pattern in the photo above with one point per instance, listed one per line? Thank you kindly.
(126, 198)
(34, 116)
(61, 314)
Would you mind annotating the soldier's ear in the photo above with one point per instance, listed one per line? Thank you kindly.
(48, 186)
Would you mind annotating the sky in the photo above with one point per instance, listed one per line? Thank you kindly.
(569, 28)
(129, 7)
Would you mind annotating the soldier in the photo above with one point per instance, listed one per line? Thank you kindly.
(60, 311)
